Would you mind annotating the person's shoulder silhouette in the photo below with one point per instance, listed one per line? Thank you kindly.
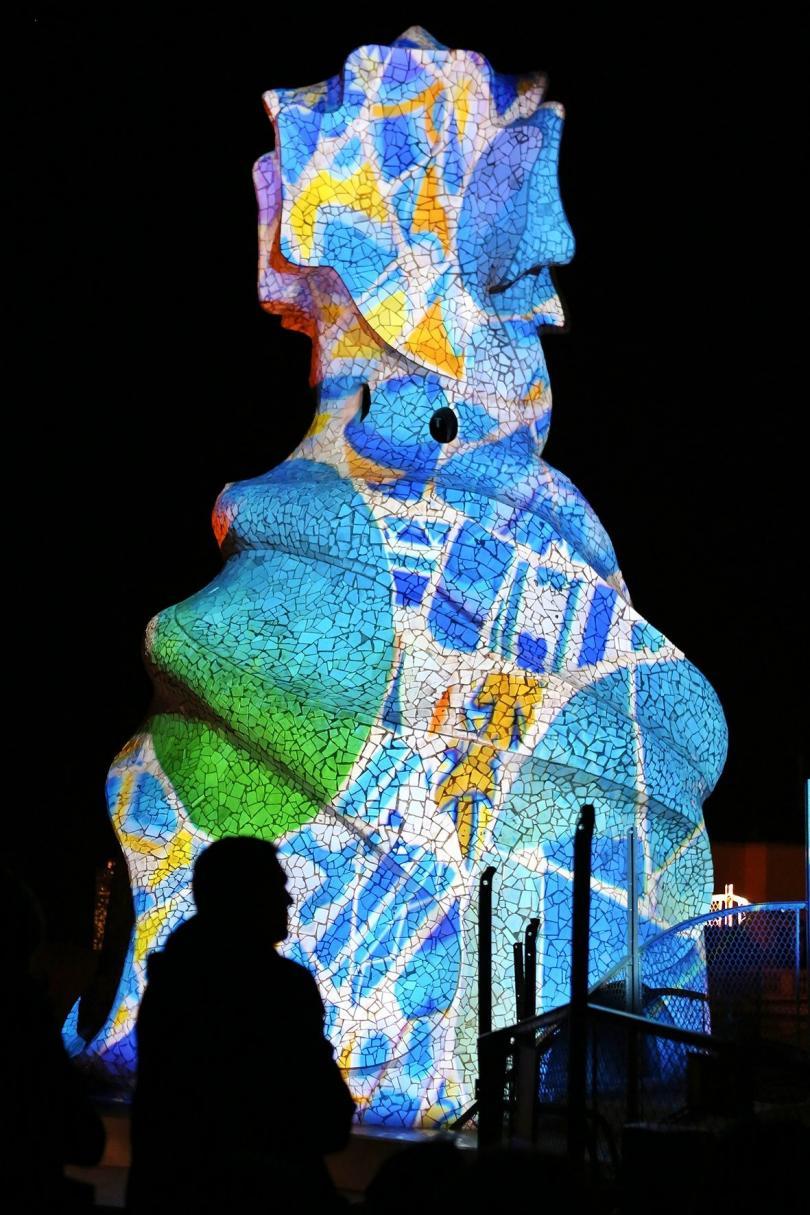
(234, 1069)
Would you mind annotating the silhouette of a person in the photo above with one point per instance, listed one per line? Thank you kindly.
(238, 1095)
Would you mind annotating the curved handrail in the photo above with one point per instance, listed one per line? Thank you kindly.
(746, 909)
(552, 1015)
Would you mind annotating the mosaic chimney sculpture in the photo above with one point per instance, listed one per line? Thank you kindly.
(420, 657)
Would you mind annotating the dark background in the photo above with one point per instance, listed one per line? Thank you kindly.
(678, 389)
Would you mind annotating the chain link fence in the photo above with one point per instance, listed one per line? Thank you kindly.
(739, 974)
(720, 1022)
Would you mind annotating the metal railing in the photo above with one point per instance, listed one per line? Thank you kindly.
(697, 1022)
(739, 973)
(636, 1070)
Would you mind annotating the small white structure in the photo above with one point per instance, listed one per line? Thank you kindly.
(728, 900)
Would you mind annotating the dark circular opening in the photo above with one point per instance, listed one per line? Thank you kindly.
(444, 425)
(365, 402)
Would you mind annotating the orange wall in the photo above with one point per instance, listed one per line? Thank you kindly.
(761, 872)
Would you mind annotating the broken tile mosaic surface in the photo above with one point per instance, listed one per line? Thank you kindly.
(420, 656)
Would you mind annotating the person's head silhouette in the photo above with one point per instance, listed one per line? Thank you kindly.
(239, 881)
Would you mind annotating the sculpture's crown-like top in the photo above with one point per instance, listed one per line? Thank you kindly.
(428, 183)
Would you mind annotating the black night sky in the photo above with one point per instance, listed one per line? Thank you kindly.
(677, 397)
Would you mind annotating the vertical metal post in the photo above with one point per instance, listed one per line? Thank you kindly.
(633, 980)
(490, 1093)
(485, 951)
(633, 987)
(489, 1087)
(807, 879)
(797, 965)
(488, 1104)
(530, 968)
(578, 1026)
(520, 980)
